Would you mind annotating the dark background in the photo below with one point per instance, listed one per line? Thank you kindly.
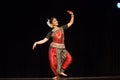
(93, 40)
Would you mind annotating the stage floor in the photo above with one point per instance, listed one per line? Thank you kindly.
(68, 78)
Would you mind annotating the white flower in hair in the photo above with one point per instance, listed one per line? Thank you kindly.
(48, 23)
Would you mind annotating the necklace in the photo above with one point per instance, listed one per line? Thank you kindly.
(55, 29)
(58, 34)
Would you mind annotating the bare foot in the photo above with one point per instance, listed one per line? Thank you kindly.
(63, 74)
(56, 78)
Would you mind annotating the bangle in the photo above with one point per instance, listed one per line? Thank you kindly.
(72, 15)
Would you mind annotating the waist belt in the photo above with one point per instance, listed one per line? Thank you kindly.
(57, 45)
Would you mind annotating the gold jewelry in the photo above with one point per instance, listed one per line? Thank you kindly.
(72, 15)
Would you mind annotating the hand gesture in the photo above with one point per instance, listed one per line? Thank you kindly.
(34, 45)
(70, 12)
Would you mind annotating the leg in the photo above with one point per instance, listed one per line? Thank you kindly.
(52, 59)
(53, 62)
(67, 61)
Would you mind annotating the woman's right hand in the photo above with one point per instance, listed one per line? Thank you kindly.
(39, 42)
(34, 45)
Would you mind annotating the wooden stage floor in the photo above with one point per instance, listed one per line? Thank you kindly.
(68, 78)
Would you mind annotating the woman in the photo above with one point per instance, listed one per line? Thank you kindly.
(59, 57)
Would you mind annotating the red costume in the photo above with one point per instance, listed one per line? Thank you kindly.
(59, 57)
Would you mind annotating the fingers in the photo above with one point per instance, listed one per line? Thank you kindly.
(69, 11)
(33, 46)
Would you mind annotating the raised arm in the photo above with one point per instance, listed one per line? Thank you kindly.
(39, 42)
(72, 18)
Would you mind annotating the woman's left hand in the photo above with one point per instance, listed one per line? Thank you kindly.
(70, 12)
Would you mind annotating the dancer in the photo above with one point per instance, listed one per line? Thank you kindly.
(59, 57)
